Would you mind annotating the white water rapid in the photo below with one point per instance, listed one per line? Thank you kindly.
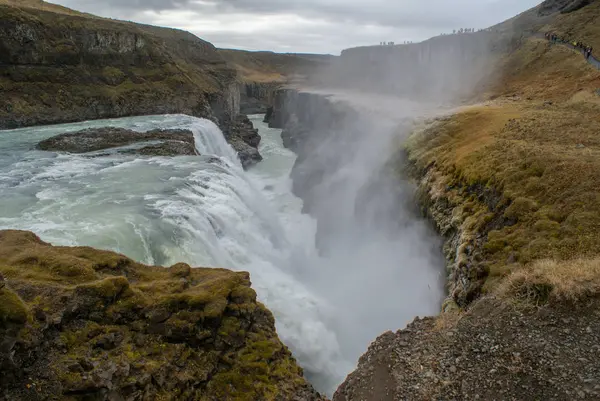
(206, 211)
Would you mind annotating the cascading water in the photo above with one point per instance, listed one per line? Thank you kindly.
(206, 211)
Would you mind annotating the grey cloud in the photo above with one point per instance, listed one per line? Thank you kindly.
(345, 23)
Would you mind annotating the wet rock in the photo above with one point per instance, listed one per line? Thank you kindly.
(244, 138)
(172, 142)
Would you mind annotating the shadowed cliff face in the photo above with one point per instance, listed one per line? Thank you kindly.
(380, 259)
(60, 68)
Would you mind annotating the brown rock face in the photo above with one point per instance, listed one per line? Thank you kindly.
(84, 324)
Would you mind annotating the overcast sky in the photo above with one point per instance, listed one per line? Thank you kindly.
(310, 26)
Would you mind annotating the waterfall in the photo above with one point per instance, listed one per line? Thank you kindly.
(202, 210)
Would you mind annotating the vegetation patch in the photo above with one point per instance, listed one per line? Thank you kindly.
(80, 320)
(542, 162)
(550, 280)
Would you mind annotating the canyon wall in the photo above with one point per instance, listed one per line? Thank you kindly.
(58, 68)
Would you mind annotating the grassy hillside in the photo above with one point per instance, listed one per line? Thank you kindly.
(521, 172)
(44, 6)
(263, 67)
(102, 68)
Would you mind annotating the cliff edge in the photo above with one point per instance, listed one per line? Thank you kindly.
(512, 185)
(81, 324)
(57, 67)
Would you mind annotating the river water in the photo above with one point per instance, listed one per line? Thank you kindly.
(206, 211)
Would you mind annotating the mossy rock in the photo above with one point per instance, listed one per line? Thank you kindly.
(79, 320)
(12, 308)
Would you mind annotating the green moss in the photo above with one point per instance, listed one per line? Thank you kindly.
(255, 371)
(76, 337)
(520, 208)
(12, 308)
(496, 242)
(112, 75)
(547, 226)
(221, 342)
(109, 288)
(215, 308)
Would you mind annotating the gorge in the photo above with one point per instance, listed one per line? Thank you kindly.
(382, 186)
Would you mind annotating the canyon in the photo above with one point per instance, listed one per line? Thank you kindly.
(458, 175)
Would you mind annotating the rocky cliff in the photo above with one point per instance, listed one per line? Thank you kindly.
(323, 134)
(57, 65)
(262, 73)
(512, 186)
(83, 324)
(58, 68)
(256, 97)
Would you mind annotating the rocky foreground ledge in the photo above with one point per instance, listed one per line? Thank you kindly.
(496, 351)
(84, 324)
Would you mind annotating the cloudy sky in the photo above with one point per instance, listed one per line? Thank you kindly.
(311, 26)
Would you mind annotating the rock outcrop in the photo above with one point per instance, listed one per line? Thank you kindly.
(244, 138)
(256, 97)
(59, 68)
(497, 350)
(176, 142)
(81, 324)
(319, 131)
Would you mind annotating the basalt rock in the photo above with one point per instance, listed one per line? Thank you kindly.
(257, 96)
(84, 324)
(176, 142)
(244, 138)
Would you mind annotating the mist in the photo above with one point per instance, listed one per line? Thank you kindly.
(381, 262)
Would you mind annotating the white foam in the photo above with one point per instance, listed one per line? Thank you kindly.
(205, 211)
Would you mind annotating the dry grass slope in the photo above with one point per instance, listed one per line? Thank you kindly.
(267, 67)
(43, 6)
(537, 143)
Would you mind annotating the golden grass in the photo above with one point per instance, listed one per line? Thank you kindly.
(537, 145)
(447, 320)
(541, 71)
(551, 280)
(267, 67)
(544, 160)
